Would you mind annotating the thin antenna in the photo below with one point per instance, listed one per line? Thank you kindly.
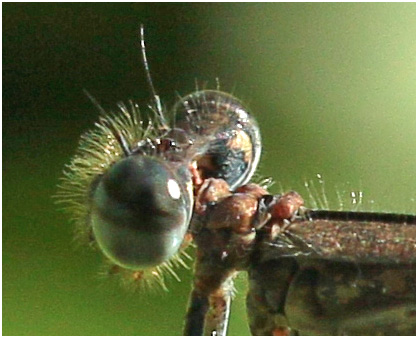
(108, 123)
(95, 102)
(157, 101)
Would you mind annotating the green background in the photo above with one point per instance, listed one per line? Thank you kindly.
(332, 86)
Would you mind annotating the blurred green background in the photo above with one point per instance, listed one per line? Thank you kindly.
(332, 86)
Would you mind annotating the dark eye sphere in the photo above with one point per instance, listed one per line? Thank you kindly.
(141, 210)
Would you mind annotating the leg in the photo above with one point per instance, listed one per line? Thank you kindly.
(210, 300)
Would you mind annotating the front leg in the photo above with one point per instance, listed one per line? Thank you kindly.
(210, 300)
(224, 233)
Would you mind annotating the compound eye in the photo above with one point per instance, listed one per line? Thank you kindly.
(141, 210)
(231, 135)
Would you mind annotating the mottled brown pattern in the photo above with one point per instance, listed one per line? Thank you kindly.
(358, 241)
(306, 277)
(320, 297)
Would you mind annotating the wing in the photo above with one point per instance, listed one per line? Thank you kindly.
(335, 273)
(361, 237)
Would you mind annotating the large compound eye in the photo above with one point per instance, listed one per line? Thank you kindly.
(230, 134)
(141, 210)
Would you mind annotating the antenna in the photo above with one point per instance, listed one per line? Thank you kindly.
(95, 102)
(157, 102)
(108, 123)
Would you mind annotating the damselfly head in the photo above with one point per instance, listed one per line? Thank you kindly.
(130, 187)
(136, 206)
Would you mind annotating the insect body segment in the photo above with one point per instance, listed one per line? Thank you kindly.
(310, 272)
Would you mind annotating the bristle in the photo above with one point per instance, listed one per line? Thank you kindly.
(153, 279)
(312, 201)
(264, 182)
(98, 149)
(342, 197)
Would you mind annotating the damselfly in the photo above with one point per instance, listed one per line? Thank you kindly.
(142, 190)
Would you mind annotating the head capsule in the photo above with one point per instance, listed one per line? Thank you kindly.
(140, 210)
(228, 136)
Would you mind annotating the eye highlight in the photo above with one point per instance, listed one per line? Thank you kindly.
(173, 189)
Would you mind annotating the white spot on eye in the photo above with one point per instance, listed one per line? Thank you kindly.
(173, 189)
(242, 114)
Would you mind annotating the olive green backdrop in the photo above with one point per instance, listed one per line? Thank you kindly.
(332, 86)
